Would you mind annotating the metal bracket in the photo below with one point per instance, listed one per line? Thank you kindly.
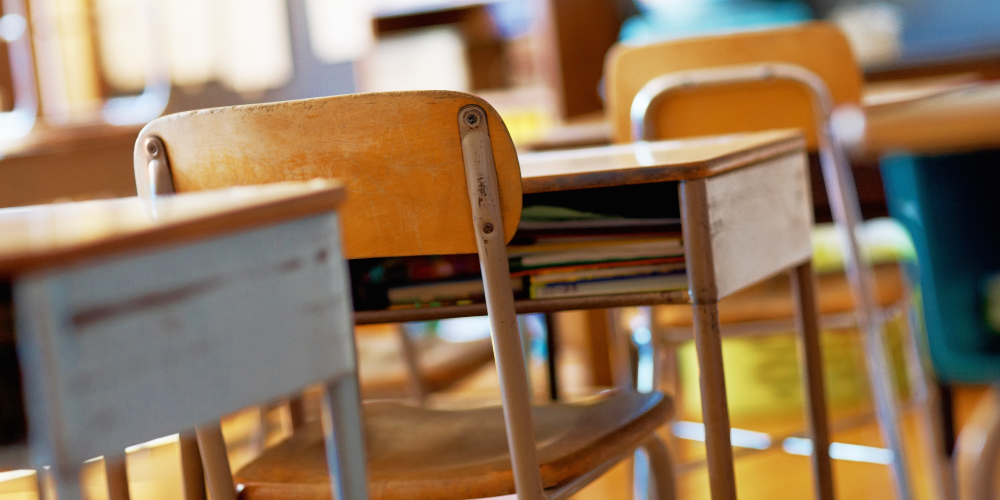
(161, 180)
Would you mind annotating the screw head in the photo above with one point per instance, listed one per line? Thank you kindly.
(152, 148)
(471, 119)
(488, 228)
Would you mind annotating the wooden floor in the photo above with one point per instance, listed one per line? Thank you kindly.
(773, 473)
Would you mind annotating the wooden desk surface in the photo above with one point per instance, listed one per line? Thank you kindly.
(965, 119)
(45, 236)
(658, 161)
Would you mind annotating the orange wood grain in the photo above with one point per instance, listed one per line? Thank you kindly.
(817, 46)
(399, 155)
(440, 454)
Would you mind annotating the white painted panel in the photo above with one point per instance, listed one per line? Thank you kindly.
(760, 220)
(126, 351)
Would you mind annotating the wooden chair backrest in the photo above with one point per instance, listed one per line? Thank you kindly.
(817, 46)
(399, 154)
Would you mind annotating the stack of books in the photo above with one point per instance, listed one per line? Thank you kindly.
(574, 258)
(556, 253)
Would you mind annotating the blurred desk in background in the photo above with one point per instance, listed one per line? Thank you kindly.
(73, 163)
(964, 119)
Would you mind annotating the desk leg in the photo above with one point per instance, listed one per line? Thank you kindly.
(714, 403)
(695, 224)
(811, 362)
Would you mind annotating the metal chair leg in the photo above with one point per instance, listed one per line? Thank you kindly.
(924, 390)
(343, 430)
(661, 469)
(218, 475)
(416, 386)
(978, 451)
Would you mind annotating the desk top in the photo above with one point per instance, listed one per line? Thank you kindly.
(44, 236)
(646, 162)
(964, 119)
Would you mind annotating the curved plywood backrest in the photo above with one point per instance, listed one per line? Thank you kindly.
(817, 46)
(399, 155)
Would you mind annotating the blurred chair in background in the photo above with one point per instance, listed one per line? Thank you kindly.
(788, 77)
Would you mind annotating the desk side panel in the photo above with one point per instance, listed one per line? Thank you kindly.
(122, 352)
(760, 221)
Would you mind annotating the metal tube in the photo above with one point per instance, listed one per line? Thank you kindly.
(218, 475)
(343, 433)
(484, 197)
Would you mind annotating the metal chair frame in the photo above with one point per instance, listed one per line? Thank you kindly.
(846, 211)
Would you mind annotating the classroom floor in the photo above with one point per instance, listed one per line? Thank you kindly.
(772, 473)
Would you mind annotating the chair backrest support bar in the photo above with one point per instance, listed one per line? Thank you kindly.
(487, 220)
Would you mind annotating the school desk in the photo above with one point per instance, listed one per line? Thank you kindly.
(133, 325)
(746, 214)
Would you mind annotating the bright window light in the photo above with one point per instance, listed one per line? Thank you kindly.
(193, 46)
(340, 30)
(256, 50)
(739, 437)
(840, 451)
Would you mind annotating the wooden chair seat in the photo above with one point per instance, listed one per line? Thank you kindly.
(455, 454)
(383, 370)
(771, 299)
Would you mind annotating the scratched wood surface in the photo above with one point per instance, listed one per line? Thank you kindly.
(441, 454)
(125, 350)
(659, 161)
(817, 46)
(399, 152)
(758, 232)
(55, 235)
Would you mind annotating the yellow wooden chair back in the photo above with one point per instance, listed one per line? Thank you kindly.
(399, 155)
(817, 46)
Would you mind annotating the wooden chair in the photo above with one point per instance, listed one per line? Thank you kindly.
(131, 328)
(428, 173)
(758, 80)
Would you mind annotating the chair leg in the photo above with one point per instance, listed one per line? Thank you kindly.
(807, 324)
(842, 193)
(218, 475)
(47, 489)
(661, 468)
(60, 484)
(978, 450)
(552, 351)
(343, 430)
(924, 389)
(117, 476)
(192, 471)
(416, 385)
(297, 412)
